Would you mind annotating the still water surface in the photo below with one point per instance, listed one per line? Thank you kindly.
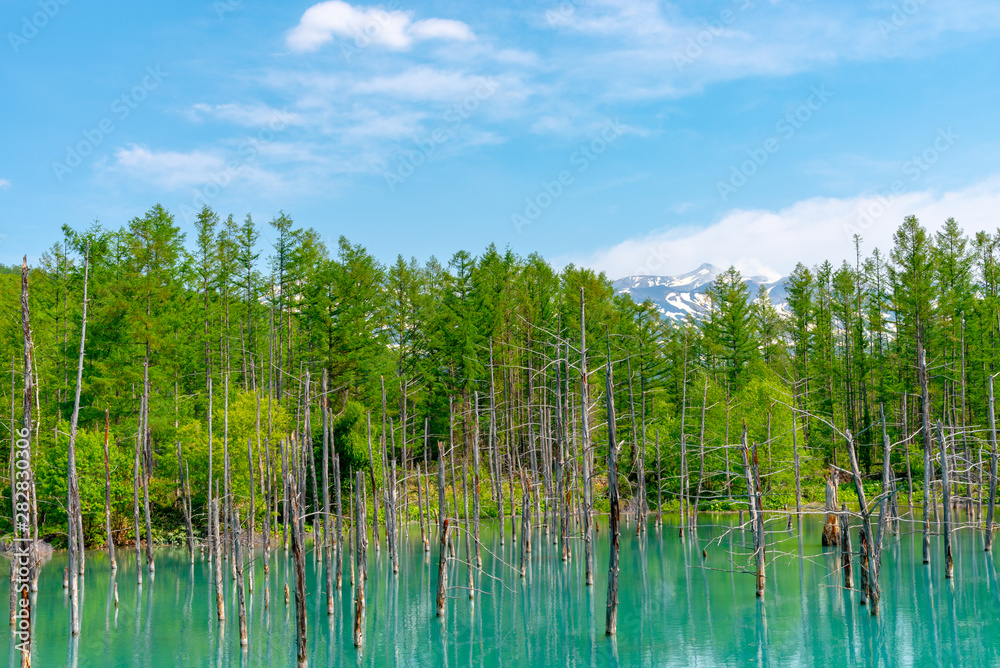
(676, 609)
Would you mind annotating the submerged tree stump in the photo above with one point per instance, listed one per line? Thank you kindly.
(831, 529)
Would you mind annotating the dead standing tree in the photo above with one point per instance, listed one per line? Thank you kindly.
(611, 618)
(74, 513)
(588, 490)
(988, 530)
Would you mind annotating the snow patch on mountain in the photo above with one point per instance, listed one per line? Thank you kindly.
(678, 297)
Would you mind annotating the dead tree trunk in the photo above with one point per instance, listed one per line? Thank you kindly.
(798, 479)
(611, 617)
(220, 604)
(420, 509)
(359, 560)
(240, 592)
(326, 500)
(588, 490)
(443, 554)
(135, 505)
(475, 484)
(468, 534)
(371, 470)
(25, 522)
(832, 534)
(253, 512)
(756, 516)
(993, 472)
(340, 522)
(107, 495)
(187, 513)
(300, 580)
(949, 565)
(869, 546)
(525, 522)
(74, 511)
(494, 448)
(845, 548)
(926, 414)
(147, 472)
(659, 483)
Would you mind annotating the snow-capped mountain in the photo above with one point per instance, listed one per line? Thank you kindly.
(679, 296)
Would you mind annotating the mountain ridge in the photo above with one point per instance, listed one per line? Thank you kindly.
(683, 295)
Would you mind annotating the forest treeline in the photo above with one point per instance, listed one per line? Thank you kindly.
(478, 352)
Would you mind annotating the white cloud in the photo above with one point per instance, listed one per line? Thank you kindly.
(441, 29)
(393, 30)
(771, 242)
(168, 169)
(173, 170)
(422, 83)
(645, 49)
(256, 115)
(4, 184)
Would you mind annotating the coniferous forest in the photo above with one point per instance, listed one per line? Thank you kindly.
(253, 386)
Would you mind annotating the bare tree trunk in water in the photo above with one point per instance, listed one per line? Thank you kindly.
(611, 618)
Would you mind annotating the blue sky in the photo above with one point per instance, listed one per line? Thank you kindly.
(635, 136)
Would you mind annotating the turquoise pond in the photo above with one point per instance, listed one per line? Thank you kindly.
(676, 608)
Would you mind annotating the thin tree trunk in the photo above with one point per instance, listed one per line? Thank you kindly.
(220, 605)
(869, 546)
(241, 593)
(359, 560)
(340, 520)
(993, 471)
(949, 565)
(420, 509)
(212, 545)
(107, 495)
(845, 548)
(147, 472)
(326, 500)
(926, 415)
(74, 511)
(495, 447)
(588, 532)
(135, 505)
(371, 470)
(251, 518)
(300, 582)
(611, 618)
(29, 527)
(187, 502)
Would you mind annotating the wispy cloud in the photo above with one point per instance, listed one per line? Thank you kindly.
(252, 115)
(645, 49)
(421, 83)
(4, 184)
(393, 29)
(173, 170)
(771, 242)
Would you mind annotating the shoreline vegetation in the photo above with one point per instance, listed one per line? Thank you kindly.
(205, 394)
